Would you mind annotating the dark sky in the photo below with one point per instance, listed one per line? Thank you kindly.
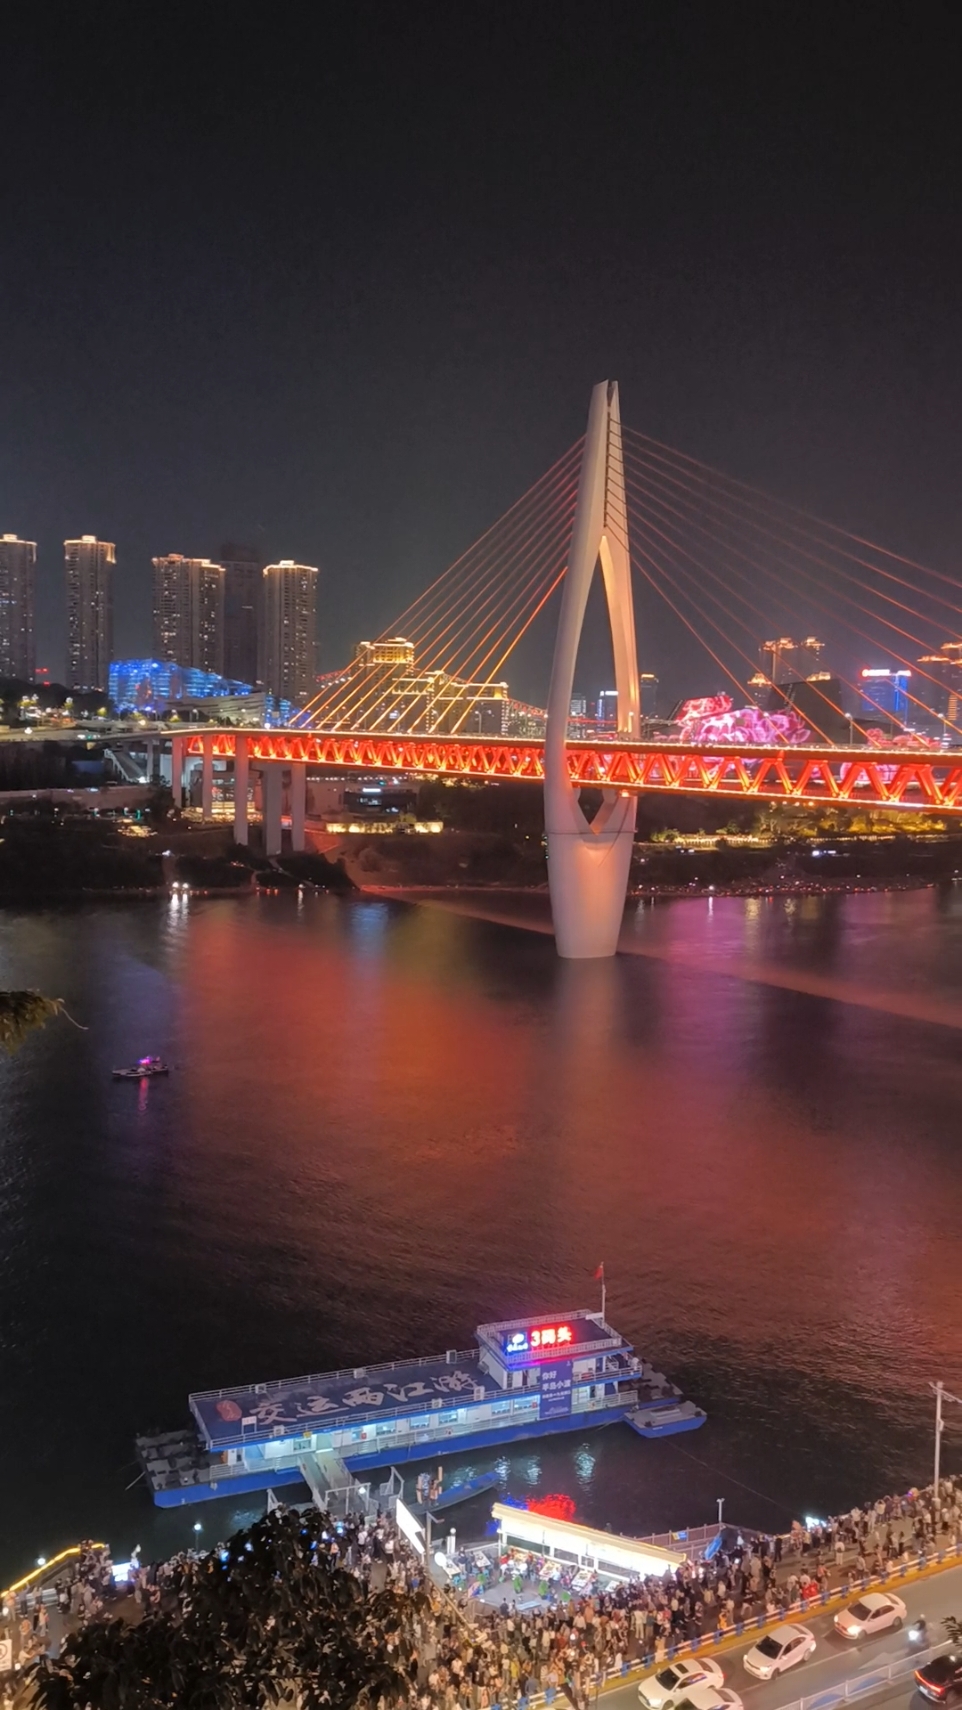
(338, 279)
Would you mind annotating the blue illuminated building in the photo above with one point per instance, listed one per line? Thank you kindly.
(153, 685)
(886, 692)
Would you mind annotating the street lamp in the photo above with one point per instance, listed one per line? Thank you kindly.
(941, 1394)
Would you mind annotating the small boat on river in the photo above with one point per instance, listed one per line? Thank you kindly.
(144, 1069)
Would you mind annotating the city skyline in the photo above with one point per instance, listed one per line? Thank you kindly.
(194, 632)
(368, 387)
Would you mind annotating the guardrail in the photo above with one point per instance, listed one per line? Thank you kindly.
(42, 1571)
(915, 1565)
(861, 1685)
(449, 1357)
(612, 1679)
(690, 1535)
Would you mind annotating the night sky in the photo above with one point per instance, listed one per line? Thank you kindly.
(338, 280)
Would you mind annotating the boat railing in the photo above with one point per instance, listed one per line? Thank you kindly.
(691, 1536)
(449, 1357)
(424, 1408)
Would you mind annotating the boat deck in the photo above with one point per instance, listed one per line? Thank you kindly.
(304, 1404)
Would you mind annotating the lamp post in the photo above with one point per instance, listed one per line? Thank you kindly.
(941, 1394)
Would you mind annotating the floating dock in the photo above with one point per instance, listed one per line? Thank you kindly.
(528, 1377)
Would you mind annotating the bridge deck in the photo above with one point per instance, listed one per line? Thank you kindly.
(903, 778)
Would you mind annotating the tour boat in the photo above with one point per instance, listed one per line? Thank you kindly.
(143, 1070)
(529, 1377)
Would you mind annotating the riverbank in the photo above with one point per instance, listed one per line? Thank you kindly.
(787, 886)
(719, 1588)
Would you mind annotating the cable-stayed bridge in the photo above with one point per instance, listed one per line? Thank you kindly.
(430, 696)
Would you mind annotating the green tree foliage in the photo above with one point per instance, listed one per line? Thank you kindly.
(275, 1621)
(21, 1012)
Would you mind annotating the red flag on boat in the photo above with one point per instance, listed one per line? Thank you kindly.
(600, 1274)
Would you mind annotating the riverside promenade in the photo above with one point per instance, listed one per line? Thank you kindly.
(510, 1634)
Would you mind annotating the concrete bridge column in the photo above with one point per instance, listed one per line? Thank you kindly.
(298, 805)
(273, 779)
(207, 778)
(149, 768)
(241, 781)
(177, 770)
(588, 864)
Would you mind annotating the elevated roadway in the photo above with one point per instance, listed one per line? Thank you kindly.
(835, 1662)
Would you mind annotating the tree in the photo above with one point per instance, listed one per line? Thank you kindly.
(268, 1618)
(21, 1012)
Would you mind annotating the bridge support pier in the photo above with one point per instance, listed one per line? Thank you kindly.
(207, 778)
(298, 806)
(241, 783)
(271, 786)
(588, 862)
(177, 770)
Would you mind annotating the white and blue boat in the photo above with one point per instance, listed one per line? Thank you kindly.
(527, 1377)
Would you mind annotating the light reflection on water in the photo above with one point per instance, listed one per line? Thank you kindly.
(386, 1123)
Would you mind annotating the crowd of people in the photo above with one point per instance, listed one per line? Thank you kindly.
(536, 1629)
(78, 1594)
(503, 1628)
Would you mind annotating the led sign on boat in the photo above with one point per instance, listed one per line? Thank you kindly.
(537, 1341)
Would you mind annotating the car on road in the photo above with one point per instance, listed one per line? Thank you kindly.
(941, 1679)
(666, 1689)
(710, 1698)
(780, 1649)
(874, 1612)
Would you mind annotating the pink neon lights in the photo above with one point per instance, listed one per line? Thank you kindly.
(713, 718)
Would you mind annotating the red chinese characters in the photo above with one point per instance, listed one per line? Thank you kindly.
(551, 1336)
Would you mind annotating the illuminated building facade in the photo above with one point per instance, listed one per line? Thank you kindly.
(89, 566)
(288, 648)
(943, 683)
(17, 647)
(885, 692)
(153, 685)
(390, 652)
(243, 580)
(189, 612)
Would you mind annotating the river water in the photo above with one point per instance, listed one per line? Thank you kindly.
(387, 1123)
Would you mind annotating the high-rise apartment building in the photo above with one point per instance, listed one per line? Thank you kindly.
(17, 648)
(189, 612)
(941, 682)
(89, 564)
(242, 610)
(289, 630)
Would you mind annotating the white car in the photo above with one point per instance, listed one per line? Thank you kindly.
(780, 1649)
(666, 1689)
(710, 1698)
(873, 1613)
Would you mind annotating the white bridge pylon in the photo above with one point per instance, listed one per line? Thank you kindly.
(588, 863)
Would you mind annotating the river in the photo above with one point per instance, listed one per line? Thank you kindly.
(387, 1123)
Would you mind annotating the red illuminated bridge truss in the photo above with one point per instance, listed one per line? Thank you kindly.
(873, 778)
